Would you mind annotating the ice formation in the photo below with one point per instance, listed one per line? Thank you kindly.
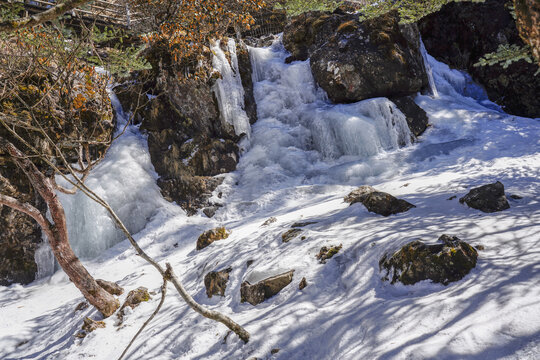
(228, 89)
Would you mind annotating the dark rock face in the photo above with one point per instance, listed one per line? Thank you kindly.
(353, 60)
(216, 282)
(264, 289)
(245, 69)
(377, 201)
(188, 141)
(417, 118)
(487, 198)
(459, 37)
(441, 263)
(20, 235)
(209, 236)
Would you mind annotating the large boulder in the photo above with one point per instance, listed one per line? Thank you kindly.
(487, 198)
(459, 37)
(353, 60)
(377, 201)
(443, 263)
(264, 289)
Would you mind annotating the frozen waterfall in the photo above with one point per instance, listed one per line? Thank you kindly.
(300, 137)
(228, 89)
(126, 180)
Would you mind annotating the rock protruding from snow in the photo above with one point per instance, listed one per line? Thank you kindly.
(303, 283)
(290, 234)
(110, 287)
(327, 253)
(487, 198)
(215, 282)
(377, 201)
(353, 60)
(441, 263)
(264, 289)
(209, 236)
(89, 325)
(269, 221)
(133, 299)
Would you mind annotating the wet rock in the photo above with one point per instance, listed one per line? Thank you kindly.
(303, 283)
(446, 262)
(209, 236)
(244, 67)
(377, 201)
(353, 60)
(327, 253)
(516, 197)
(89, 325)
(417, 118)
(487, 198)
(249, 263)
(274, 351)
(216, 282)
(269, 221)
(290, 234)
(264, 289)
(111, 287)
(459, 37)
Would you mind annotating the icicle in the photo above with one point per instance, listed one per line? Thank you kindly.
(429, 70)
(229, 90)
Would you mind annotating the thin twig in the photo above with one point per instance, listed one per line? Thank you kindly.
(163, 293)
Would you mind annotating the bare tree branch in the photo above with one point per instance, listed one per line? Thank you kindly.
(163, 293)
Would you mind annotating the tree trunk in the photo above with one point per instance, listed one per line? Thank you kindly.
(57, 233)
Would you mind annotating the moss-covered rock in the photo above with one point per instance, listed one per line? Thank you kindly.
(353, 60)
(209, 236)
(443, 263)
(327, 253)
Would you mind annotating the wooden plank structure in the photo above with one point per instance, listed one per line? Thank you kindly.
(111, 13)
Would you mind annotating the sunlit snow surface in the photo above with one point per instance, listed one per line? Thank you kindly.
(345, 312)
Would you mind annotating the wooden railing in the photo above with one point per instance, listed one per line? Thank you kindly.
(104, 12)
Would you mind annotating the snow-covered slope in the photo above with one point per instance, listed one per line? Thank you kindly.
(302, 159)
